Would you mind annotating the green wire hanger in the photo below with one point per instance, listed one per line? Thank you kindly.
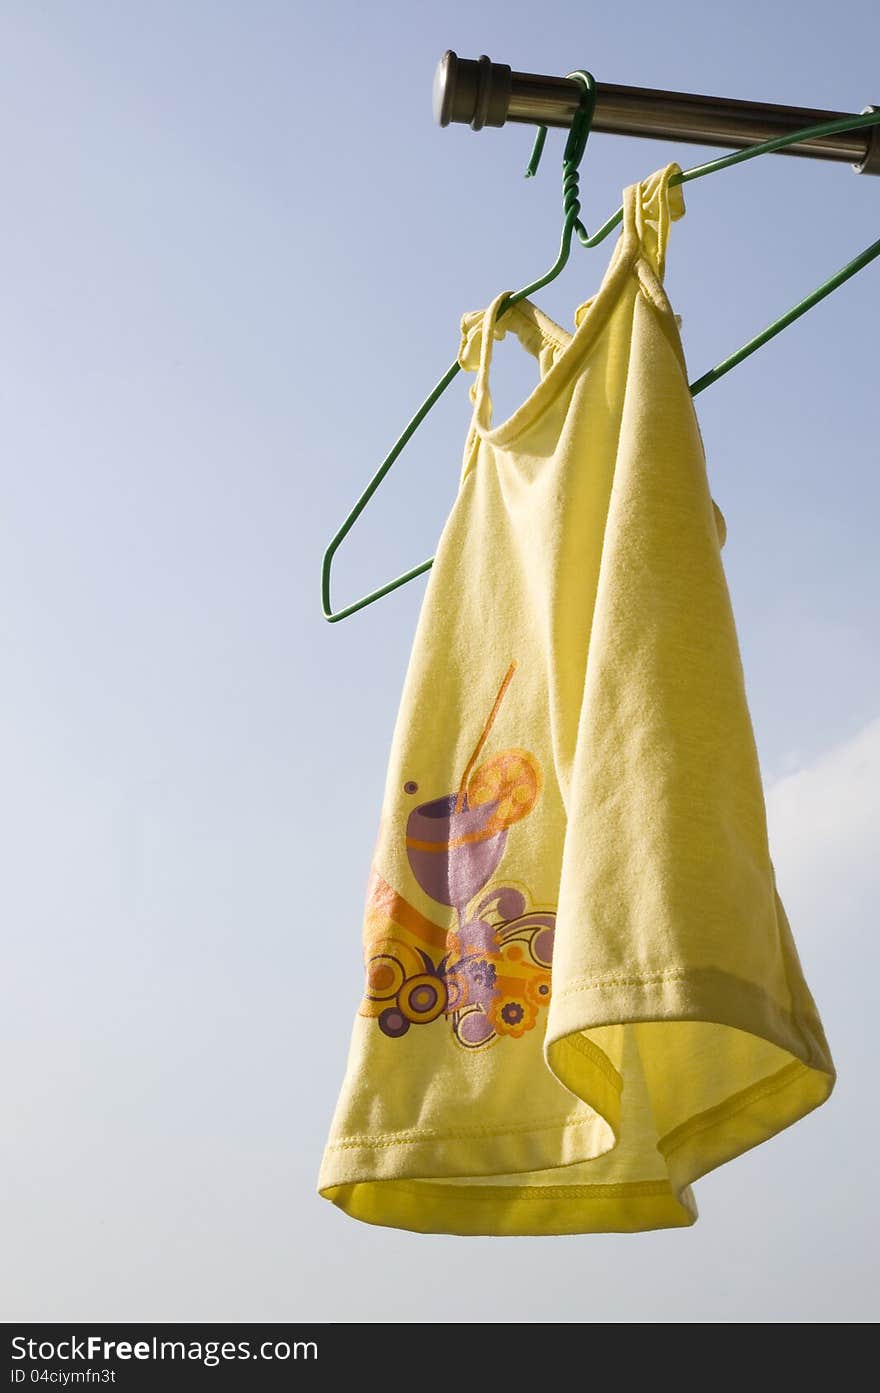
(572, 156)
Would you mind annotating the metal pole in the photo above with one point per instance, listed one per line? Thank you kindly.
(482, 93)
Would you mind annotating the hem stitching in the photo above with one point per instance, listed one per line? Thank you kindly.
(411, 1138)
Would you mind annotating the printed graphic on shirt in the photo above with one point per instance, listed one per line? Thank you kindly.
(490, 975)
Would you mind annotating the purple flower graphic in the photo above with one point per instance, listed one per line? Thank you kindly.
(482, 972)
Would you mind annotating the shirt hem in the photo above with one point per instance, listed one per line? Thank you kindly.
(441, 1181)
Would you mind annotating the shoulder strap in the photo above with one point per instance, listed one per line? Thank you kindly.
(649, 209)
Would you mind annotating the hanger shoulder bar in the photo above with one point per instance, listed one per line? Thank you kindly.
(482, 93)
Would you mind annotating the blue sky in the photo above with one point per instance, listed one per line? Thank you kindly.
(236, 251)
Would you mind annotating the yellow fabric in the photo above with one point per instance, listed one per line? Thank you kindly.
(573, 781)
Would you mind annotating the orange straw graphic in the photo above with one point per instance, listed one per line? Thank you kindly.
(462, 791)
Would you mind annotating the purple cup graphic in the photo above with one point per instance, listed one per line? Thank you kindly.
(453, 854)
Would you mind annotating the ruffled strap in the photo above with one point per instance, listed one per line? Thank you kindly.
(481, 328)
(474, 325)
(649, 209)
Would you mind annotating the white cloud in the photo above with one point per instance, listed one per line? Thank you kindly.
(823, 823)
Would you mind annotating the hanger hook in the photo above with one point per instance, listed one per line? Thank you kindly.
(579, 131)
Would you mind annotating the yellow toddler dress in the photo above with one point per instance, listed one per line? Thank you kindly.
(581, 990)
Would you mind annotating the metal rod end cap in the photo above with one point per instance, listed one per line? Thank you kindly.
(475, 93)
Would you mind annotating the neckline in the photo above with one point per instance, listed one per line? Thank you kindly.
(576, 346)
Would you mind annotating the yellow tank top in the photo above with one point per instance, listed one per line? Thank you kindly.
(581, 990)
